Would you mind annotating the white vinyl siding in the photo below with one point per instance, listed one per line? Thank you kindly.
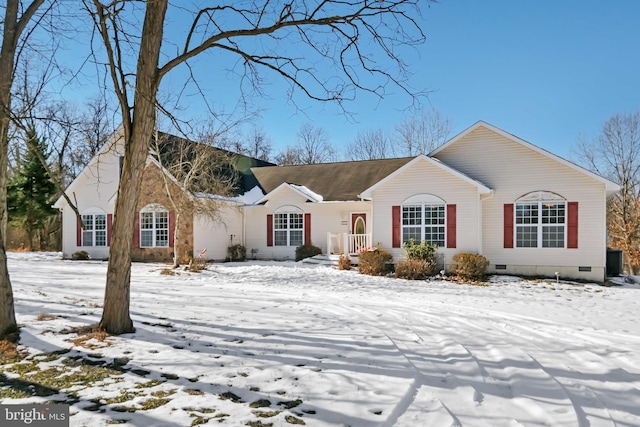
(513, 170)
(334, 217)
(424, 177)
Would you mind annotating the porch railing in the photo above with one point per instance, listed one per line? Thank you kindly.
(344, 243)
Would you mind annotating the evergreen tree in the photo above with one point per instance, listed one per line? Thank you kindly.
(30, 192)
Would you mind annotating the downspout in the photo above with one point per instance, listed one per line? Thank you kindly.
(480, 218)
(244, 226)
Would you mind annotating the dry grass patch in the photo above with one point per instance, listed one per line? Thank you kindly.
(149, 384)
(86, 334)
(164, 393)
(124, 396)
(9, 352)
(45, 316)
(293, 420)
(153, 403)
(266, 414)
(198, 420)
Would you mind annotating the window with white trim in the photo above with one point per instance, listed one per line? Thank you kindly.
(541, 219)
(154, 228)
(94, 229)
(424, 219)
(288, 229)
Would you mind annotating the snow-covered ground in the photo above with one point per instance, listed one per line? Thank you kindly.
(326, 347)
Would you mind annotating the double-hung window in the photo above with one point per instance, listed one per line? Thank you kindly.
(288, 229)
(154, 229)
(425, 221)
(94, 230)
(541, 223)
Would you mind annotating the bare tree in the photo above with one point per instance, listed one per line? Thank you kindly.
(422, 133)
(258, 144)
(94, 130)
(615, 154)
(370, 144)
(313, 146)
(253, 143)
(17, 18)
(345, 37)
(289, 157)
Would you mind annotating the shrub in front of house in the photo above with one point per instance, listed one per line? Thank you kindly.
(80, 256)
(307, 251)
(414, 269)
(374, 262)
(423, 251)
(237, 252)
(470, 266)
(344, 262)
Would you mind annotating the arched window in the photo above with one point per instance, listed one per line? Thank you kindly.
(94, 227)
(424, 218)
(540, 220)
(288, 226)
(154, 227)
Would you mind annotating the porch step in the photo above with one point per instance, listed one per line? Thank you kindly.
(327, 259)
(322, 259)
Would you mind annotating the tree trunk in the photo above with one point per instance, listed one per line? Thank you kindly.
(8, 325)
(115, 316)
(176, 239)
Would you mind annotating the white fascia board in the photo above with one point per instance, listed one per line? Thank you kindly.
(295, 188)
(482, 189)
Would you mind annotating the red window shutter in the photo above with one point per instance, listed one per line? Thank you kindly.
(508, 225)
(136, 231)
(109, 228)
(572, 226)
(78, 231)
(269, 230)
(172, 228)
(307, 229)
(395, 219)
(451, 226)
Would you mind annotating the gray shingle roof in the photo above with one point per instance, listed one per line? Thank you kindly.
(334, 181)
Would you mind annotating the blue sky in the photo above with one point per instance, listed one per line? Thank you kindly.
(546, 71)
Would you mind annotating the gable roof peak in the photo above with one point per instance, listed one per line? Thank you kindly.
(610, 186)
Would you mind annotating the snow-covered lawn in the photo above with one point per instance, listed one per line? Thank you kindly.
(279, 344)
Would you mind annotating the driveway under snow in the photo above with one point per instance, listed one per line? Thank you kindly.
(347, 349)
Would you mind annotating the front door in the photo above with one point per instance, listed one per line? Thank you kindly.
(358, 223)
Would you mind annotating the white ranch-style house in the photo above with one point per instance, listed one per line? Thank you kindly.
(528, 211)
